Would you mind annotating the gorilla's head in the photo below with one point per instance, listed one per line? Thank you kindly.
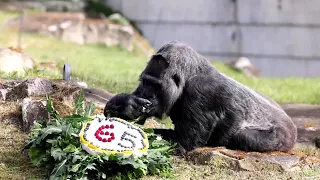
(160, 84)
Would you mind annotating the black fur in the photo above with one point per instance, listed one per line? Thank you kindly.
(207, 108)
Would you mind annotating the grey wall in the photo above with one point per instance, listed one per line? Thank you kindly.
(281, 37)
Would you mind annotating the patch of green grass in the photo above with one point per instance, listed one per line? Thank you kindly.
(282, 90)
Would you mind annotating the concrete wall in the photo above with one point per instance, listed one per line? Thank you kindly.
(281, 37)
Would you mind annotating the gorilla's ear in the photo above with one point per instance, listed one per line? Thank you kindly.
(156, 65)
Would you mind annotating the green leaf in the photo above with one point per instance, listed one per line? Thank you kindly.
(137, 164)
(52, 141)
(36, 155)
(90, 167)
(89, 110)
(148, 130)
(79, 104)
(75, 167)
(67, 130)
(59, 169)
(140, 172)
(57, 154)
(50, 108)
(158, 143)
(49, 130)
(76, 157)
(76, 118)
(70, 148)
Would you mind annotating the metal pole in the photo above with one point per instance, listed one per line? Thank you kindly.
(67, 72)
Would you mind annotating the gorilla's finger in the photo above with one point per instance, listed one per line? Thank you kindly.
(143, 102)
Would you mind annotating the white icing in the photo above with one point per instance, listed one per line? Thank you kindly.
(120, 129)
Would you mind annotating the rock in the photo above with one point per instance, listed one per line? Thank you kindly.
(120, 35)
(30, 87)
(66, 92)
(73, 33)
(33, 110)
(12, 60)
(273, 162)
(74, 27)
(82, 84)
(46, 22)
(212, 156)
(248, 161)
(243, 64)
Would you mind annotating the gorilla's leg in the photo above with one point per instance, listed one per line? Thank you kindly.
(257, 138)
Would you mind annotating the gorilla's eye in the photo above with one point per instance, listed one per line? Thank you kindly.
(176, 79)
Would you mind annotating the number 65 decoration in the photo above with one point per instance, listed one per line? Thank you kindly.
(113, 135)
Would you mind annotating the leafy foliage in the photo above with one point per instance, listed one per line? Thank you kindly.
(55, 145)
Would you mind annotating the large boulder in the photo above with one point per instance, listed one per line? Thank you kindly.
(12, 60)
(30, 87)
(33, 110)
(94, 32)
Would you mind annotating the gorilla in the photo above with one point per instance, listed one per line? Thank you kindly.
(206, 107)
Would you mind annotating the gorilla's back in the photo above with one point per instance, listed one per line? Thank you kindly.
(260, 110)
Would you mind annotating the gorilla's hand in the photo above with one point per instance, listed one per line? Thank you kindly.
(127, 106)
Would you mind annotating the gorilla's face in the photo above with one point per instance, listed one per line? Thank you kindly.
(160, 87)
(161, 84)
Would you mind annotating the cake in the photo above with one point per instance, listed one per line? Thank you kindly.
(112, 136)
